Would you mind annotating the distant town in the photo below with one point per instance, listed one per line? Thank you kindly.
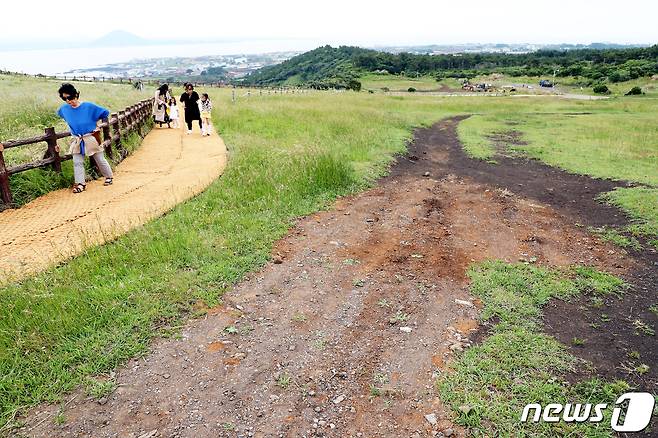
(220, 67)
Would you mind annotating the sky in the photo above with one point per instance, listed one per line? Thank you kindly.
(365, 23)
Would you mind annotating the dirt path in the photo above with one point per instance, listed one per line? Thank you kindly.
(168, 168)
(346, 331)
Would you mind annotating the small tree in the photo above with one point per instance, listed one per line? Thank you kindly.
(411, 90)
(635, 91)
(601, 89)
(354, 85)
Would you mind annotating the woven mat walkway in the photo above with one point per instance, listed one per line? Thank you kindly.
(168, 168)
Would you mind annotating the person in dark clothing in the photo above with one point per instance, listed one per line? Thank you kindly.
(190, 98)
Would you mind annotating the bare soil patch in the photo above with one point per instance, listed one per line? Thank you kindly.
(346, 331)
(614, 331)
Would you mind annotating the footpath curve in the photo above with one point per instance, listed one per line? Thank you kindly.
(167, 169)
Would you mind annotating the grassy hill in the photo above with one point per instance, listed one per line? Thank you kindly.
(324, 67)
(328, 67)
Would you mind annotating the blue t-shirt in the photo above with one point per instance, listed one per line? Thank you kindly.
(82, 120)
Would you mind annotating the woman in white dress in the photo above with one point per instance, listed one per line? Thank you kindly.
(161, 104)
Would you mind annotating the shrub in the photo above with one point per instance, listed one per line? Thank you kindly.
(601, 89)
(634, 91)
(385, 89)
(411, 90)
(353, 84)
(620, 76)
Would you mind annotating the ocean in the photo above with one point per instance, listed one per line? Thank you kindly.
(58, 61)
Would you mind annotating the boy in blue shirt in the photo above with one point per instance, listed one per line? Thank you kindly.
(82, 118)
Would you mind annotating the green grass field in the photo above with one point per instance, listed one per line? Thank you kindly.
(290, 155)
(520, 364)
(614, 139)
(376, 82)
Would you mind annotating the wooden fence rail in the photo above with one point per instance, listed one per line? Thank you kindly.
(132, 119)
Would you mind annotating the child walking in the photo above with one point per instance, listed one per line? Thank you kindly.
(205, 105)
(173, 112)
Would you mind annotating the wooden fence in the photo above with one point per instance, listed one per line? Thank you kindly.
(132, 119)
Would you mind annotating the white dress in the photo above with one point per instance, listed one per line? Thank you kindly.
(160, 106)
(173, 112)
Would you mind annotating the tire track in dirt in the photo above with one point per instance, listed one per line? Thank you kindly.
(312, 344)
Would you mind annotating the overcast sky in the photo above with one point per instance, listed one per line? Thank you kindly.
(340, 21)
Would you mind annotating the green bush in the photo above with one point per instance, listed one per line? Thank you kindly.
(354, 85)
(635, 91)
(601, 89)
(620, 76)
(411, 90)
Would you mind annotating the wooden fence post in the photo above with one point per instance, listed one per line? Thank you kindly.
(107, 136)
(52, 149)
(135, 118)
(117, 133)
(138, 120)
(5, 191)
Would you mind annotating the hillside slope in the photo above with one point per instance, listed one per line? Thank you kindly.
(328, 67)
(324, 67)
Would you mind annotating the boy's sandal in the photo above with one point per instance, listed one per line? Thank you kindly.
(108, 181)
(79, 188)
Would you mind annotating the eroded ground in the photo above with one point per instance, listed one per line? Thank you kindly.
(362, 308)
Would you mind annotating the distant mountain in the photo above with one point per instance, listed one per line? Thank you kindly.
(119, 38)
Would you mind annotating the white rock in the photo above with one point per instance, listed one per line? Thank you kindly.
(456, 347)
(405, 329)
(464, 303)
(339, 399)
(431, 419)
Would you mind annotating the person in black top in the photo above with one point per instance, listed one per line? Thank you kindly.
(190, 99)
